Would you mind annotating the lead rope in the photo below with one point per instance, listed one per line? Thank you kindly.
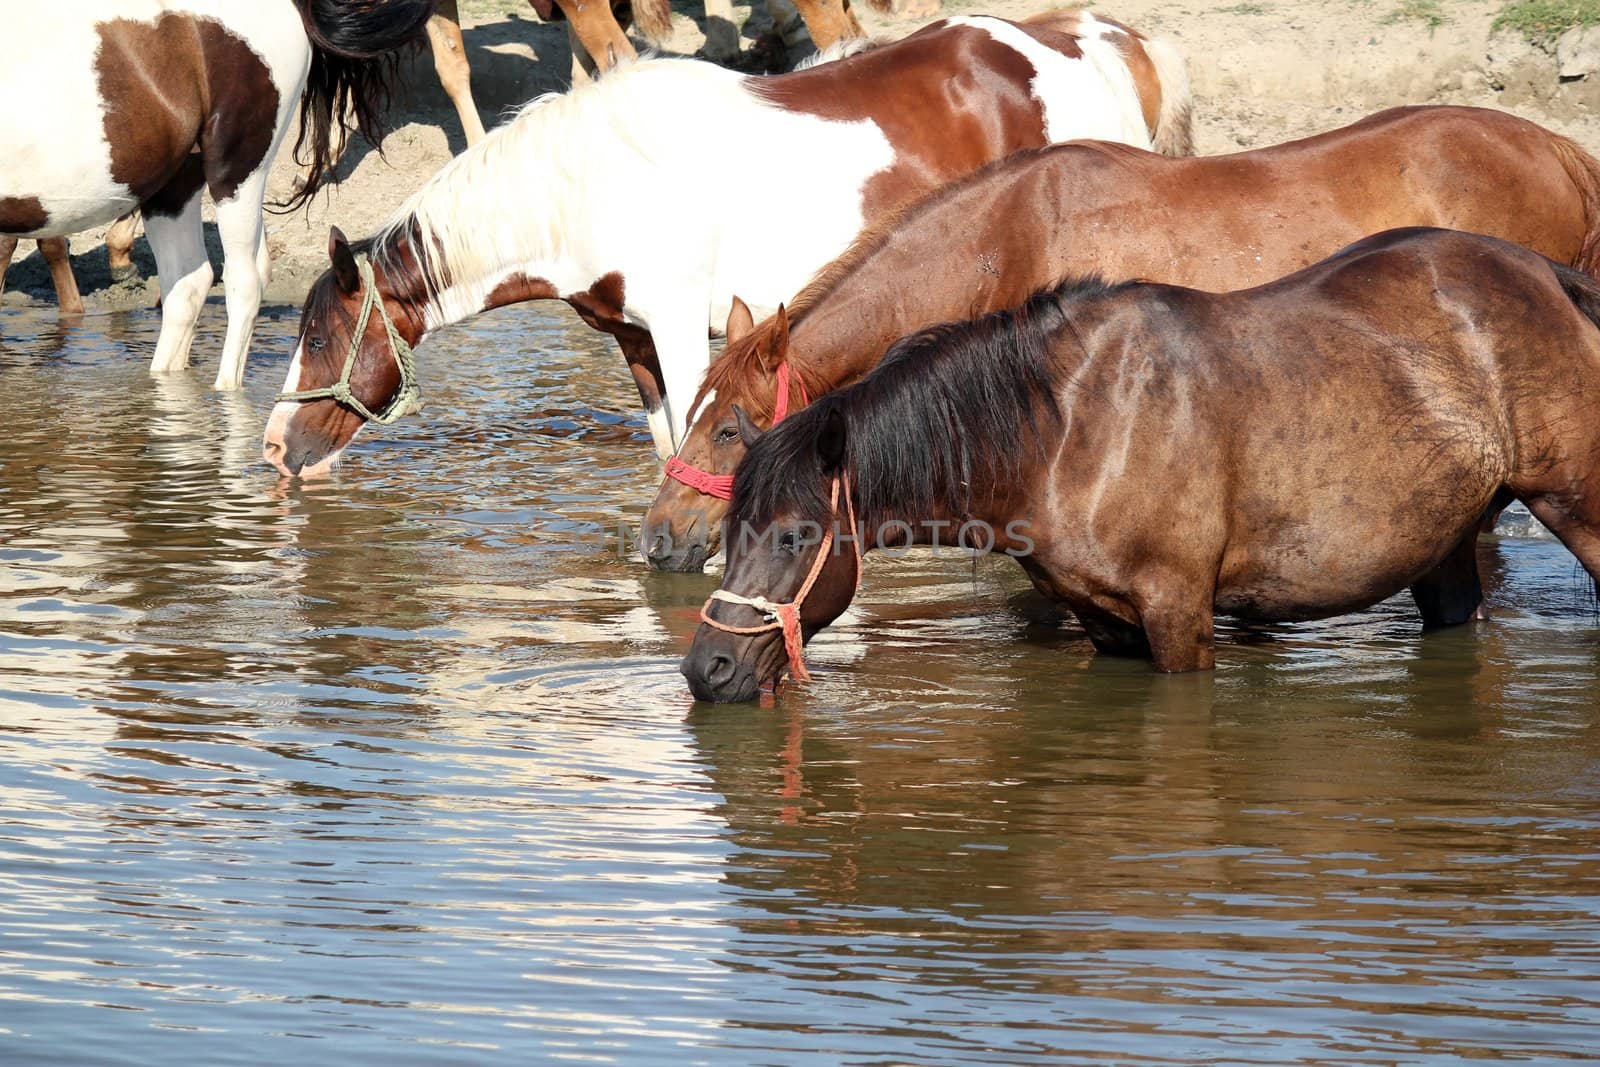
(787, 616)
(721, 485)
(408, 398)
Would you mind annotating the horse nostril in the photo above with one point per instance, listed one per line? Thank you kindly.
(660, 548)
(719, 671)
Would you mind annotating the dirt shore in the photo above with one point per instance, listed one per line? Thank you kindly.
(1262, 72)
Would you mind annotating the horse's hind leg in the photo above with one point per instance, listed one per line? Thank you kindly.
(172, 224)
(119, 247)
(240, 226)
(54, 250)
(1452, 593)
(1577, 526)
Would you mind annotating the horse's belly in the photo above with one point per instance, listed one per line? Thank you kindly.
(1331, 572)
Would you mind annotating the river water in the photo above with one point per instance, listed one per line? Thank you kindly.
(398, 769)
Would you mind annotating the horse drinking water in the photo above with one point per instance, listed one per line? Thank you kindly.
(1216, 222)
(154, 100)
(535, 210)
(1152, 454)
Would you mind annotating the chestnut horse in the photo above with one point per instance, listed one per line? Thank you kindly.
(157, 99)
(840, 144)
(1217, 222)
(1152, 454)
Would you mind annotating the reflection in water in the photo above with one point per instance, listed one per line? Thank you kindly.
(400, 766)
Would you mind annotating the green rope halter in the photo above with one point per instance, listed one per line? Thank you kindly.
(407, 399)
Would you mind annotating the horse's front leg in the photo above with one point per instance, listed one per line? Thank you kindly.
(683, 350)
(640, 352)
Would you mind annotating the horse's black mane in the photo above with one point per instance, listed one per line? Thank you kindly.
(355, 65)
(949, 415)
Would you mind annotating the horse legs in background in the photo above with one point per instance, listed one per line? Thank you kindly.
(597, 40)
(54, 250)
(828, 21)
(722, 33)
(119, 248)
(455, 73)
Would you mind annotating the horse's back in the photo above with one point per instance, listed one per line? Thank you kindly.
(1337, 430)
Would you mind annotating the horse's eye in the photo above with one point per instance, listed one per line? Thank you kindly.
(789, 542)
(727, 435)
(316, 344)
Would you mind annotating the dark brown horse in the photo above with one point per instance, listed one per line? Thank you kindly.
(1152, 454)
(1220, 222)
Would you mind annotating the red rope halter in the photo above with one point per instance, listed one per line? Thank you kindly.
(786, 617)
(721, 485)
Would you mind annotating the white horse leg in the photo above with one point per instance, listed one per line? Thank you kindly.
(185, 274)
(239, 225)
(684, 350)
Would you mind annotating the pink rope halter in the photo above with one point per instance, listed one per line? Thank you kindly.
(786, 617)
(721, 485)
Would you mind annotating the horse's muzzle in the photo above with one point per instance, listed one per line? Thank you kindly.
(718, 675)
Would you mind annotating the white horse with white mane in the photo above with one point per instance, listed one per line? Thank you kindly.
(592, 198)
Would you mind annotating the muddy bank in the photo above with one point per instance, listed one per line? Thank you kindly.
(1262, 72)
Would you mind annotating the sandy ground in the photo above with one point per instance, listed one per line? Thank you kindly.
(1263, 71)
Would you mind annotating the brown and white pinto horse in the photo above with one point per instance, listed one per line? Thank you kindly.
(839, 144)
(155, 100)
(1152, 455)
(1218, 222)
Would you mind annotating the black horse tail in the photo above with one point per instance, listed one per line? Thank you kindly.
(355, 57)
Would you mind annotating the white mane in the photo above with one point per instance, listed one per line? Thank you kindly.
(841, 49)
(513, 199)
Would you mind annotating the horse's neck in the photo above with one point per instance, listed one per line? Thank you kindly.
(843, 336)
(460, 252)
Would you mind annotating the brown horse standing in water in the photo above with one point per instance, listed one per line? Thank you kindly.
(1217, 222)
(1152, 454)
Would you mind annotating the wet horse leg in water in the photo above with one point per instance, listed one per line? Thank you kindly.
(1576, 524)
(1452, 593)
(172, 223)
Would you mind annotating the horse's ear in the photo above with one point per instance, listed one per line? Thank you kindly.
(740, 321)
(749, 432)
(831, 440)
(343, 260)
(778, 348)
